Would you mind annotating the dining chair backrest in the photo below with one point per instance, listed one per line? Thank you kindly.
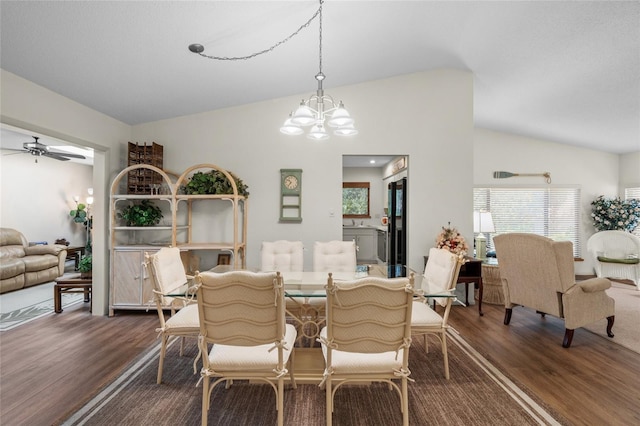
(334, 256)
(441, 272)
(369, 315)
(241, 308)
(282, 255)
(166, 272)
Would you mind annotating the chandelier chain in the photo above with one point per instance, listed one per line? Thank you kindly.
(270, 49)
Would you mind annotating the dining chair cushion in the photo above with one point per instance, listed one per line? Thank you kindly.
(185, 319)
(334, 256)
(423, 316)
(364, 363)
(261, 357)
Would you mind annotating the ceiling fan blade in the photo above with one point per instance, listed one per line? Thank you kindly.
(65, 154)
(55, 155)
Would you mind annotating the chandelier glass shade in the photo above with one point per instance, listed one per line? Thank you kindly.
(319, 109)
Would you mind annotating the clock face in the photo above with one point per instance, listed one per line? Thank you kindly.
(291, 182)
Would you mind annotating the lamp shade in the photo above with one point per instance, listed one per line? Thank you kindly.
(340, 117)
(346, 130)
(288, 128)
(483, 222)
(303, 116)
(318, 133)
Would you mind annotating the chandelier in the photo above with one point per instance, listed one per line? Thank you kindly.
(316, 110)
(319, 108)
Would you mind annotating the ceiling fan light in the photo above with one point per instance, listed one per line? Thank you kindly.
(348, 130)
(303, 116)
(318, 133)
(288, 128)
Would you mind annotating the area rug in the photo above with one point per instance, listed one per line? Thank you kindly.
(476, 394)
(626, 327)
(36, 304)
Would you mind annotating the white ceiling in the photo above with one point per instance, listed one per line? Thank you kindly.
(564, 71)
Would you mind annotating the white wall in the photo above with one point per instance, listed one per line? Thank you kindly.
(37, 197)
(595, 172)
(629, 171)
(428, 116)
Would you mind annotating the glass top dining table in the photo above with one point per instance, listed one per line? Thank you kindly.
(311, 284)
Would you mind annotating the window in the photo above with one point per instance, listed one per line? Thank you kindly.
(633, 193)
(550, 212)
(355, 200)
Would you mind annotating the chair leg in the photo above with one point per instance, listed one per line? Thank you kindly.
(445, 355)
(205, 400)
(568, 337)
(426, 342)
(182, 345)
(405, 402)
(610, 325)
(507, 316)
(163, 350)
(329, 403)
(280, 398)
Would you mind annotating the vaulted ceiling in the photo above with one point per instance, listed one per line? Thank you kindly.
(563, 71)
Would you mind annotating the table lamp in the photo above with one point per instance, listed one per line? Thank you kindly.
(482, 222)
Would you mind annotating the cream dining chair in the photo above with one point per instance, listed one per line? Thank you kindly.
(242, 317)
(368, 335)
(166, 271)
(440, 275)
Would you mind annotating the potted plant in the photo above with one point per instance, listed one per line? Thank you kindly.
(213, 182)
(85, 267)
(143, 214)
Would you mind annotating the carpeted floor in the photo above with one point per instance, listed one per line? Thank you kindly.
(25, 305)
(476, 394)
(626, 327)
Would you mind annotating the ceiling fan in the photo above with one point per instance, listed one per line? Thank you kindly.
(38, 149)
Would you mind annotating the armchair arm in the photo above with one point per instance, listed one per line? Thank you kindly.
(43, 249)
(594, 284)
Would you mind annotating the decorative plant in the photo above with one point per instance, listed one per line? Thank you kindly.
(143, 214)
(79, 214)
(214, 182)
(450, 239)
(85, 266)
(611, 214)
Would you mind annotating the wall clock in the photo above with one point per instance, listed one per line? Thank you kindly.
(290, 195)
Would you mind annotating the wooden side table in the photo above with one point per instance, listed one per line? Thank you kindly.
(73, 284)
(77, 253)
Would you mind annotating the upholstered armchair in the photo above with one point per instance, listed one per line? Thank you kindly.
(538, 273)
(616, 254)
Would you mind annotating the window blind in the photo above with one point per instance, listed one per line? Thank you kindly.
(553, 212)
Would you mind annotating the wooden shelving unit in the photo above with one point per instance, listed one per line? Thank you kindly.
(191, 223)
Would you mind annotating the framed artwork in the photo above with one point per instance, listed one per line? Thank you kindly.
(224, 259)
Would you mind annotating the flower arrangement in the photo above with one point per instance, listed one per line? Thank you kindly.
(611, 214)
(450, 239)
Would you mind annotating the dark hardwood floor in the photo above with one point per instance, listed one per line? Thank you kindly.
(52, 366)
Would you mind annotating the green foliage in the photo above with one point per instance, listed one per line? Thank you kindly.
(214, 182)
(85, 264)
(611, 214)
(144, 214)
(79, 214)
(355, 201)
